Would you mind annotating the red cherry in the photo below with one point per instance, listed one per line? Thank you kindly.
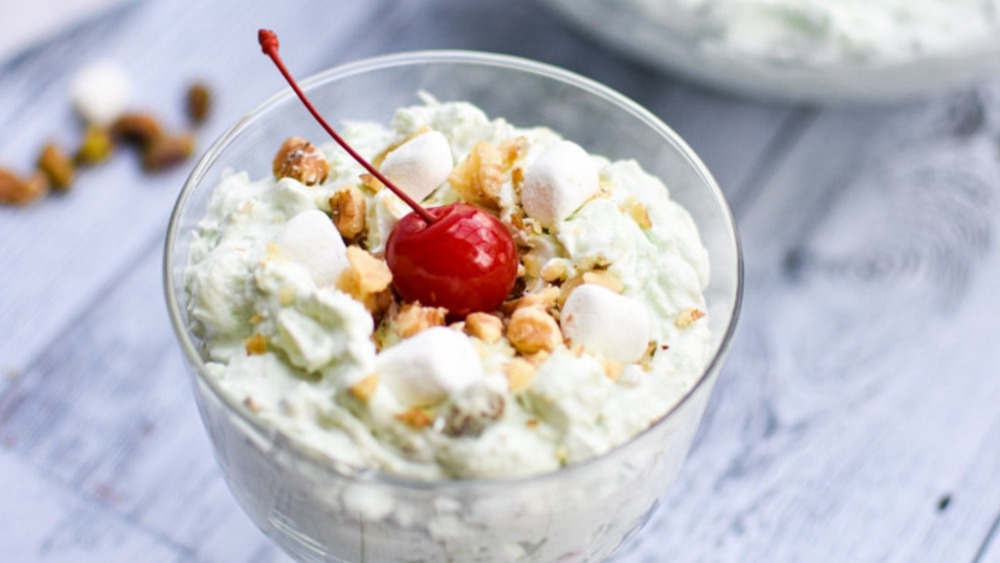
(465, 261)
(456, 256)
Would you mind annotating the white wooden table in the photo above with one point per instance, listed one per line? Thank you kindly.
(858, 417)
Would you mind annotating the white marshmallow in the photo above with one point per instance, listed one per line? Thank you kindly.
(100, 92)
(311, 239)
(419, 165)
(558, 182)
(608, 323)
(425, 368)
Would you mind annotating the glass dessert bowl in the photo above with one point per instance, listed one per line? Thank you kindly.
(320, 508)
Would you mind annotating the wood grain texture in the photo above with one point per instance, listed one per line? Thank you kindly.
(857, 418)
(863, 388)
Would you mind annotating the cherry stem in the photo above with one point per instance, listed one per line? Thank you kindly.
(269, 44)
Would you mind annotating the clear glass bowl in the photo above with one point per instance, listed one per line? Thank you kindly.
(678, 40)
(319, 509)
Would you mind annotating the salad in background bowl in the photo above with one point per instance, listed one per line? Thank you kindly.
(844, 51)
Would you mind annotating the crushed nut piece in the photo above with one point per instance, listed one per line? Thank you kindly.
(15, 190)
(687, 317)
(517, 178)
(373, 273)
(416, 417)
(57, 167)
(520, 373)
(140, 129)
(199, 103)
(554, 270)
(613, 369)
(532, 263)
(479, 177)
(299, 159)
(538, 358)
(649, 353)
(639, 213)
(252, 405)
(414, 317)
(256, 345)
(166, 151)
(470, 414)
(517, 219)
(598, 277)
(365, 387)
(366, 279)
(544, 299)
(95, 147)
(511, 150)
(566, 288)
(347, 208)
(484, 326)
(370, 183)
(531, 329)
(605, 279)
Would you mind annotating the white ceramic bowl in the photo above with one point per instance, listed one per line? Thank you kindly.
(319, 509)
(678, 39)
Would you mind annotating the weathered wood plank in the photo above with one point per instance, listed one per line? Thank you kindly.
(45, 522)
(962, 511)
(862, 387)
(990, 551)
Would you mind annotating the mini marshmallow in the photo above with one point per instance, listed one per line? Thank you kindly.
(558, 182)
(608, 323)
(427, 367)
(419, 165)
(100, 92)
(311, 239)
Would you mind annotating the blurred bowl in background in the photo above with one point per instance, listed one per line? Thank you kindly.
(816, 51)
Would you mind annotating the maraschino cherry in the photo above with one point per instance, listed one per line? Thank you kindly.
(456, 256)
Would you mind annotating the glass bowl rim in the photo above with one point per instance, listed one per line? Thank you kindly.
(367, 475)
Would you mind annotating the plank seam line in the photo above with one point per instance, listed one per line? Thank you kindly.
(188, 553)
(107, 18)
(103, 292)
(990, 536)
(792, 128)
